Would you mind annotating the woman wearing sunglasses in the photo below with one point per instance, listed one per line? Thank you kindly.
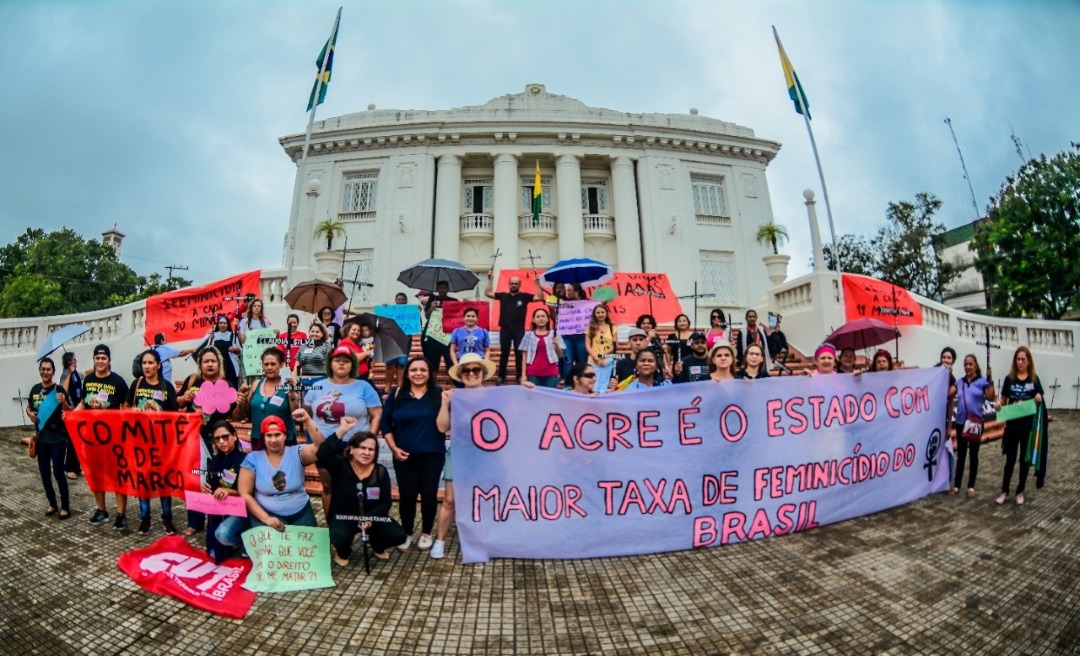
(223, 531)
(582, 379)
(471, 371)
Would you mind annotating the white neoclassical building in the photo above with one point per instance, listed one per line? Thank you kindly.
(681, 194)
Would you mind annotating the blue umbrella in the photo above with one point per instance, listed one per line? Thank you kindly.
(429, 273)
(583, 271)
(57, 338)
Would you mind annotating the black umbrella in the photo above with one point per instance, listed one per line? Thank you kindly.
(429, 273)
(390, 340)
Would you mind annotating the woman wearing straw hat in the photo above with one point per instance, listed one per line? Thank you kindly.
(471, 371)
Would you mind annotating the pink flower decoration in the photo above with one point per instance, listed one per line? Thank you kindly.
(216, 396)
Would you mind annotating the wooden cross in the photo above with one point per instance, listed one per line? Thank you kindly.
(989, 345)
(1054, 387)
(532, 259)
(696, 296)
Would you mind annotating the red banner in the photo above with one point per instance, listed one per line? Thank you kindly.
(142, 454)
(173, 568)
(633, 292)
(189, 313)
(870, 298)
(453, 313)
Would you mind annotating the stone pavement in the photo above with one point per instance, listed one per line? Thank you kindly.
(945, 575)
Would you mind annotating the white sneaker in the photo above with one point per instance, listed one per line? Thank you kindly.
(404, 546)
(425, 542)
(438, 550)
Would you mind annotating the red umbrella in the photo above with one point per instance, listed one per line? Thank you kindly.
(862, 334)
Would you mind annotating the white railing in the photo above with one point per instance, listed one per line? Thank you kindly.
(599, 225)
(473, 224)
(713, 219)
(544, 223)
(356, 216)
(934, 318)
(799, 297)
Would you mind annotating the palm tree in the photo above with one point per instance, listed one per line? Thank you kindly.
(329, 228)
(772, 233)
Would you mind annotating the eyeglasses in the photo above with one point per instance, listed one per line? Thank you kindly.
(472, 371)
(222, 438)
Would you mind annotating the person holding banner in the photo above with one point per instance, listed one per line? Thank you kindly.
(312, 355)
(824, 360)
(268, 397)
(575, 342)
(361, 488)
(272, 481)
(543, 351)
(971, 390)
(222, 475)
(695, 366)
(722, 362)
(753, 333)
(1022, 384)
(45, 408)
(647, 322)
(419, 447)
(624, 366)
(647, 371)
(152, 393)
(226, 343)
(469, 338)
(755, 364)
(882, 361)
(394, 366)
(291, 339)
(254, 319)
(600, 340)
(71, 382)
(471, 372)
(432, 336)
(847, 361)
(104, 389)
(211, 370)
(582, 379)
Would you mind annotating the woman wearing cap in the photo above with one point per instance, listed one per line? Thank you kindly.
(882, 361)
(223, 473)
(419, 447)
(272, 480)
(543, 350)
(342, 395)
(755, 363)
(210, 371)
(824, 360)
(361, 488)
(600, 340)
(269, 396)
(646, 371)
(152, 393)
(722, 362)
(471, 371)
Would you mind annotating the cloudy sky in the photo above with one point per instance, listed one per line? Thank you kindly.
(163, 117)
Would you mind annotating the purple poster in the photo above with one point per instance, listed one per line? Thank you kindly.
(551, 474)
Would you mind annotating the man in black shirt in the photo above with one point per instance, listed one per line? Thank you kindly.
(513, 306)
(104, 389)
(695, 366)
(624, 366)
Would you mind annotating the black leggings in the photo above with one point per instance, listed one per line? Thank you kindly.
(419, 475)
(50, 460)
(381, 536)
(433, 352)
(1014, 443)
(963, 448)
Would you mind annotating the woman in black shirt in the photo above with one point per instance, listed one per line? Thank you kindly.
(47, 403)
(1020, 385)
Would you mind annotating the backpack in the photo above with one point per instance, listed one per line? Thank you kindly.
(136, 365)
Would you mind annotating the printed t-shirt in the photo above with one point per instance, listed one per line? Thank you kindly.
(693, 370)
(144, 396)
(279, 491)
(512, 309)
(53, 431)
(335, 400)
(470, 341)
(104, 392)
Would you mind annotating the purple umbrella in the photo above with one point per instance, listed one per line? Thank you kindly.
(862, 334)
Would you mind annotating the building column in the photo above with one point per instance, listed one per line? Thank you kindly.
(507, 188)
(571, 224)
(447, 206)
(627, 225)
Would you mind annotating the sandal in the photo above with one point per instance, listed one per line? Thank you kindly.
(64, 514)
(50, 512)
(188, 532)
(72, 475)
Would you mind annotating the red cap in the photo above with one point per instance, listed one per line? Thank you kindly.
(272, 424)
(343, 350)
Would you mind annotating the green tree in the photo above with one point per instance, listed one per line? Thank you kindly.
(1028, 246)
(906, 246)
(48, 273)
(772, 233)
(329, 228)
(857, 255)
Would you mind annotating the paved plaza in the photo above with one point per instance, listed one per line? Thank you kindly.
(945, 575)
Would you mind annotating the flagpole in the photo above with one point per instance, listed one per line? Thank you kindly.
(307, 137)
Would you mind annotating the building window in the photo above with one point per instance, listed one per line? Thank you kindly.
(358, 198)
(594, 197)
(527, 194)
(359, 269)
(479, 198)
(709, 198)
(718, 276)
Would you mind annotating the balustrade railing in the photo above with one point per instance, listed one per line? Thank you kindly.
(599, 225)
(356, 216)
(544, 223)
(472, 224)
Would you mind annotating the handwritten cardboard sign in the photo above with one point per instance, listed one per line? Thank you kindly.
(255, 343)
(188, 313)
(434, 329)
(207, 503)
(297, 558)
(574, 317)
(406, 316)
(142, 454)
(453, 314)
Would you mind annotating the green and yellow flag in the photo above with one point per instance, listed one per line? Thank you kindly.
(538, 196)
(323, 65)
(794, 88)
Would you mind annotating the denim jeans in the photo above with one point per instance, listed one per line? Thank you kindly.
(544, 381)
(229, 530)
(166, 508)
